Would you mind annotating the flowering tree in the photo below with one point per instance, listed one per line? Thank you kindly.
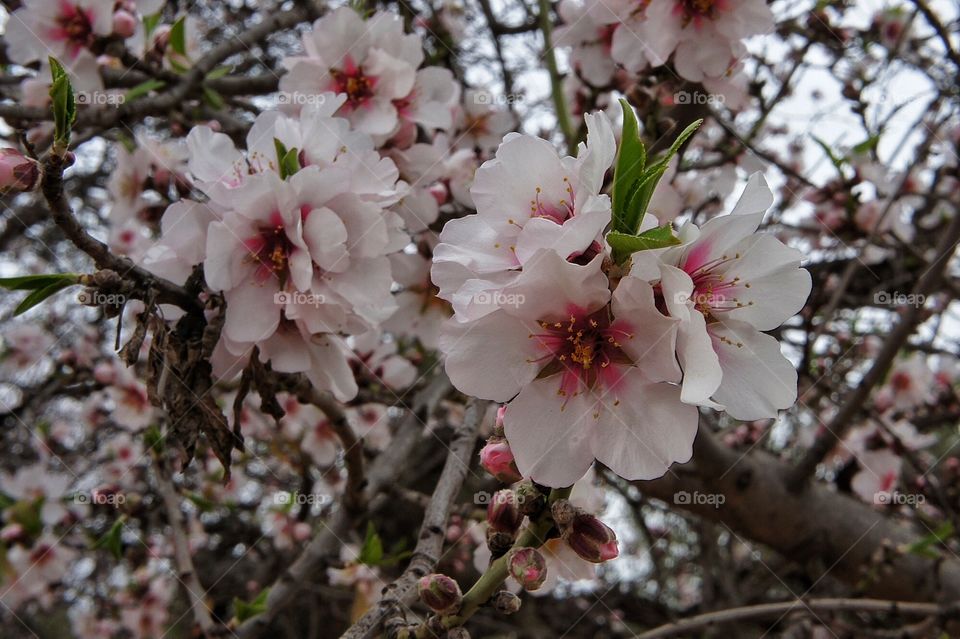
(430, 318)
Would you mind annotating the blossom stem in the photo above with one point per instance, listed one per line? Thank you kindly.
(490, 581)
(556, 85)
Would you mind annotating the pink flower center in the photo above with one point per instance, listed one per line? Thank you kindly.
(901, 381)
(352, 81)
(559, 212)
(586, 350)
(696, 11)
(714, 290)
(270, 250)
(74, 26)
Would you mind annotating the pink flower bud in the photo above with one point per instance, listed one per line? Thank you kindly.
(124, 23)
(528, 567)
(592, 539)
(440, 593)
(439, 192)
(17, 171)
(501, 411)
(503, 512)
(497, 458)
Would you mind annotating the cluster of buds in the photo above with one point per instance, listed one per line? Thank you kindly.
(589, 537)
(528, 567)
(504, 517)
(440, 593)
(17, 171)
(496, 455)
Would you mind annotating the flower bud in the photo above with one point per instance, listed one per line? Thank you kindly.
(592, 539)
(528, 567)
(440, 593)
(505, 602)
(503, 512)
(530, 498)
(17, 171)
(124, 24)
(497, 458)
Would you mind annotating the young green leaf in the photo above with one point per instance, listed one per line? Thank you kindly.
(150, 23)
(112, 540)
(371, 554)
(631, 160)
(625, 245)
(836, 160)
(143, 89)
(40, 294)
(64, 104)
(244, 610)
(33, 282)
(288, 160)
(214, 99)
(924, 547)
(642, 191)
(178, 36)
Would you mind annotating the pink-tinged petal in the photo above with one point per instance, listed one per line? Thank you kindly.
(330, 369)
(549, 285)
(254, 312)
(227, 263)
(650, 338)
(649, 430)
(758, 380)
(771, 287)
(326, 237)
(549, 434)
(213, 156)
(491, 358)
(286, 350)
(569, 239)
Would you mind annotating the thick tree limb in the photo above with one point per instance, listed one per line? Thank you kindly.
(832, 533)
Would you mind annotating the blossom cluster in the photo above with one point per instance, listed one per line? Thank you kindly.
(604, 361)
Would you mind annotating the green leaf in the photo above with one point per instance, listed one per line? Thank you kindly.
(642, 193)
(214, 99)
(150, 23)
(33, 282)
(219, 72)
(178, 36)
(244, 610)
(288, 161)
(631, 160)
(866, 146)
(64, 104)
(112, 540)
(371, 554)
(625, 245)
(143, 89)
(836, 160)
(38, 295)
(924, 546)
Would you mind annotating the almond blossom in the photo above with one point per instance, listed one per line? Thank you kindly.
(583, 373)
(527, 198)
(373, 63)
(725, 284)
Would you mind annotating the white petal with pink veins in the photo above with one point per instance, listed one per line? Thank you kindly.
(549, 285)
(758, 380)
(491, 358)
(649, 430)
(254, 312)
(652, 338)
(550, 436)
